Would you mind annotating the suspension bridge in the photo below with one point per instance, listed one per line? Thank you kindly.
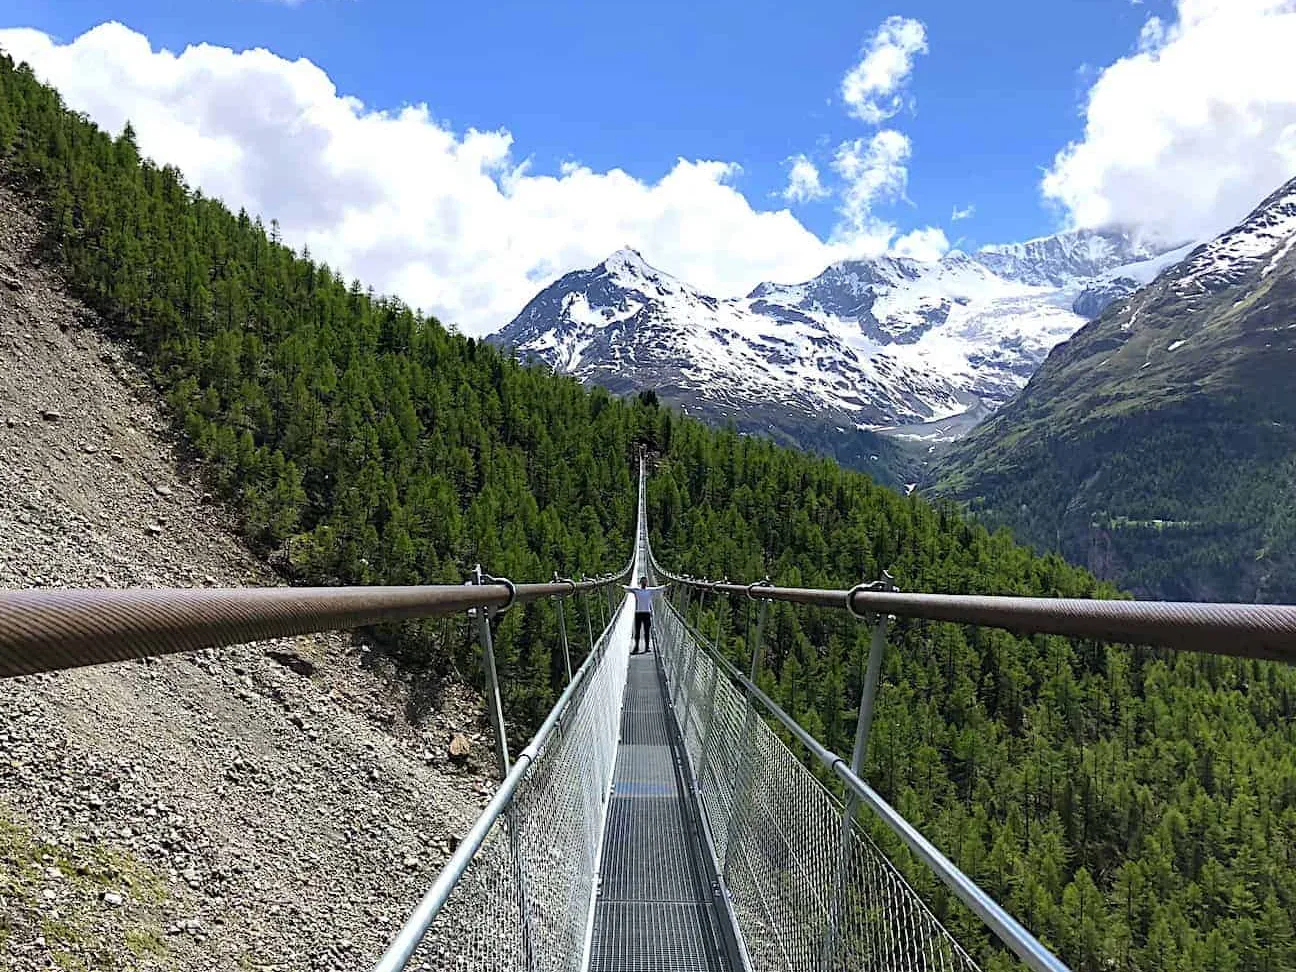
(658, 820)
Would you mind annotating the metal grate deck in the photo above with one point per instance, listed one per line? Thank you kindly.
(642, 937)
(644, 729)
(653, 912)
(647, 857)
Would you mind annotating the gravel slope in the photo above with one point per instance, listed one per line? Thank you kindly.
(215, 811)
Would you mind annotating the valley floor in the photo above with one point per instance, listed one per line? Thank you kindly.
(931, 435)
(224, 810)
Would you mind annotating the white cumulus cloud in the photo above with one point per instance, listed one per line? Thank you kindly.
(874, 170)
(804, 184)
(1188, 133)
(928, 244)
(449, 221)
(872, 88)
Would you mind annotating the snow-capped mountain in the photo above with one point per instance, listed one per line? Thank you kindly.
(1062, 260)
(1268, 234)
(892, 345)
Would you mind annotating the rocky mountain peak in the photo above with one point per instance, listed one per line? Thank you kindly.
(1064, 258)
(1263, 238)
(628, 261)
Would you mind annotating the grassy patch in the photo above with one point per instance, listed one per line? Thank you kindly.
(146, 942)
(58, 930)
(78, 932)
(66, 960)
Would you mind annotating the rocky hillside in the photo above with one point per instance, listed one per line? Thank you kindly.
(277, 806)
(1158, 446)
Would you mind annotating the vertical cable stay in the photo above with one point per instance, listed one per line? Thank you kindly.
(562, 626)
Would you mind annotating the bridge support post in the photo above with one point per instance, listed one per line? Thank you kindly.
(863, 723)
(675, 659)
(492, 679)
(683, 694)
(761, 615)
(589, 624)
(868, 695)
(710, 721)
(715, 642)
(676, 662)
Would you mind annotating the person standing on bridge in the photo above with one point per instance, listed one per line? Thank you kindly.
(644, 596)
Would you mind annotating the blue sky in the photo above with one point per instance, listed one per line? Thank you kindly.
(543, 135)
(636, 86)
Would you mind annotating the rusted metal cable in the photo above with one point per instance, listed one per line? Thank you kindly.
(1262, 631)
(47, 630)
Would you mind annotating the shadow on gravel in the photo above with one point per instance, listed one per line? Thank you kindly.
(423, 683)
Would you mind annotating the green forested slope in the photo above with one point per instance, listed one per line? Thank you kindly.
(359, 442)
(1158, 445)
(1135, 808)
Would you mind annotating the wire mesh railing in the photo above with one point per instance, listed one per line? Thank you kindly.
(521, 897)
(810, 890)
(518, 893)
(891, 927)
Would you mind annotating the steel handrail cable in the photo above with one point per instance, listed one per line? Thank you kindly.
(1259, 631)
(48, 630)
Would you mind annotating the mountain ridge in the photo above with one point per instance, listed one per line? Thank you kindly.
(893, 345)
(1158, 445)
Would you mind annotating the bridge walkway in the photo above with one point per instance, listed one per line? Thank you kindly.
(656, 907)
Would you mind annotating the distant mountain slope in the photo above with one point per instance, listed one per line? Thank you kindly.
(1158, 446)
(628, 327)
(911, 349)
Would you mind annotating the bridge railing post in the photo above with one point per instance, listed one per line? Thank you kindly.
(676, 661)
(719, 633)
(562, 633)
(512, 817)
(589, 623)
(492, 676)
(863, 724)
(685, 689)
(710, 721)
